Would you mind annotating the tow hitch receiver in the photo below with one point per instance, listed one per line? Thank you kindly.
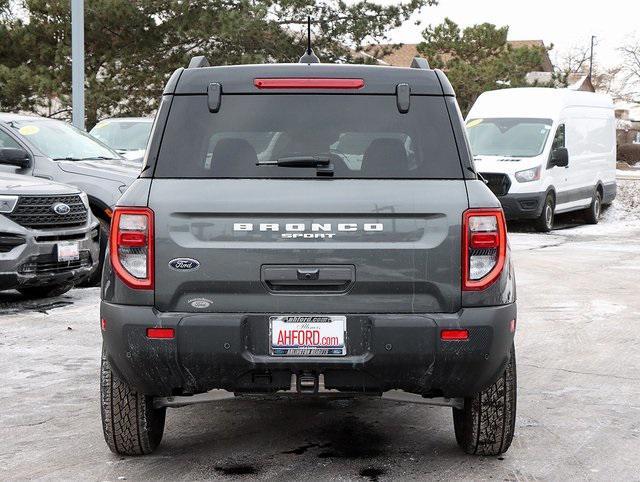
(307, 384)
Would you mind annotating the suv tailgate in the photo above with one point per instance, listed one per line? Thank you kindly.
(305, 246)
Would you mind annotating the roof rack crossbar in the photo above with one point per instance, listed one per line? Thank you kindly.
(419, 63)
(198, 61)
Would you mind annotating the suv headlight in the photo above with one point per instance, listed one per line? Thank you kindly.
(7, 203)
(528, 175)
(85, 199)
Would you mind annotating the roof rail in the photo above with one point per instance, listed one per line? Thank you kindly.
(419, 63)
(197, 62)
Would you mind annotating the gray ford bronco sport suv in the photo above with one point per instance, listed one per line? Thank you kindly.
(308, 230)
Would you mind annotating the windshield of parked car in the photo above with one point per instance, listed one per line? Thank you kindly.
(59, 140)
(123, 135)
(508, 137)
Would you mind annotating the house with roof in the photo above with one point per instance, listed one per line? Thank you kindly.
(402, 57)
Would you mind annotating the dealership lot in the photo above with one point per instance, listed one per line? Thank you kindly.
(578, 371)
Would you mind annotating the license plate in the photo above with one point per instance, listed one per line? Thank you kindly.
(68, 252)
(307, 335)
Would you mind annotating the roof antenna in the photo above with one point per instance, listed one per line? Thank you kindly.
(309, 57)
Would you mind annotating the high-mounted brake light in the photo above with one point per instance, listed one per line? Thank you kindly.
(308, 83)
(131, 246)
(484, 247)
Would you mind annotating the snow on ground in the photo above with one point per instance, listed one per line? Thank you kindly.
(632, 173)
(623, 215)
(618, 219)
(626, 206)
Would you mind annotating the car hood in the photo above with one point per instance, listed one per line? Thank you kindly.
(134, 156)
(14, 184)
(502, 164)
(119, 170)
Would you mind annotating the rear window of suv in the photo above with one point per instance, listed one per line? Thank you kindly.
(364, 136)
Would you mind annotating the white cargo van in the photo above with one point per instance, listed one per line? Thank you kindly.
(545, 151)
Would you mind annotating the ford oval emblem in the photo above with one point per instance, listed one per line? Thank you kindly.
(184, 264)
(61, 208)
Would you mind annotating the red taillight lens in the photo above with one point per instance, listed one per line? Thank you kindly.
(454, 335)
(308, 83)
(131, 246)
(132, 239)
(160, 333)
(484, 240)
(484, 247)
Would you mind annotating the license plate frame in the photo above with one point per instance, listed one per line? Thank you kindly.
(67, 251)
(319, 329)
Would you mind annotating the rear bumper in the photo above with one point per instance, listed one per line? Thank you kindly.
(522, 206)
(384, 352)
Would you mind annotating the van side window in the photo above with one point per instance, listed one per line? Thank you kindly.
(6, 141)
(558, 140)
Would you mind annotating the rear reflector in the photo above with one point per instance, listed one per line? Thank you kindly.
(454, 335)
(103, 324)
(160, 333)
(308, 83)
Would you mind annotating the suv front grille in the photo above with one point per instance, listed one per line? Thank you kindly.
(498, 183)
(37, 212)
(50, 264)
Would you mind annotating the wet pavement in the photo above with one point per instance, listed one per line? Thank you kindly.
(578, 402)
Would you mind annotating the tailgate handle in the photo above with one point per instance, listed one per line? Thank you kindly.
(308, 274)
(308, 279)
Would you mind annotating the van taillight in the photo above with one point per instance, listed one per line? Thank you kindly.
(131, 246)
(484, 247)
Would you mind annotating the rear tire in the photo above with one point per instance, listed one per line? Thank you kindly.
(544, 223)
(592, 213)
(46, 291)
(486, 424)
(131, 425)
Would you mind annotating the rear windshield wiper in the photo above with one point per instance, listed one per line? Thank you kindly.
(322, 164)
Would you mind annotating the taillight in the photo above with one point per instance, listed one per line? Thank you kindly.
(484, 247)
(131, 246)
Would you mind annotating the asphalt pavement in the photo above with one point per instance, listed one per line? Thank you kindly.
(578, 353)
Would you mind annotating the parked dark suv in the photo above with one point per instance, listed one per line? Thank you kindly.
(308, 230)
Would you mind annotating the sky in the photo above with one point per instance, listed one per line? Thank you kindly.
(565, 23)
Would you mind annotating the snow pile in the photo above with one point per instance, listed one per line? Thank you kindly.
(626, 206)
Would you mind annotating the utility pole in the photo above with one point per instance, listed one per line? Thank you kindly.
(77, 63)
(593, 37)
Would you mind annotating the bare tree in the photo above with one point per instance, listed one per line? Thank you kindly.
(631, 68)
(573, 61)
(608, 81)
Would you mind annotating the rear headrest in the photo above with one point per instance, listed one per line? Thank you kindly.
(233, 157)
(385, 158)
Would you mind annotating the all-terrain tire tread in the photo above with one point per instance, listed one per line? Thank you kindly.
(486, 424)
(131, 425)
